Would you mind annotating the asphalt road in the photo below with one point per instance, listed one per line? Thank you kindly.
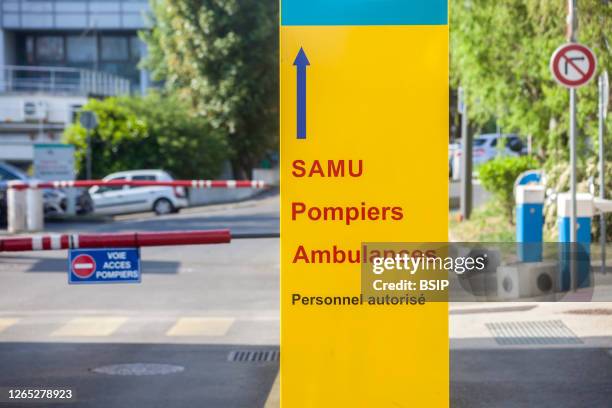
(195, 308)
(527, 364)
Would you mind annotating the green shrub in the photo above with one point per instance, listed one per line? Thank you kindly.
(498, 177)
(152, 132)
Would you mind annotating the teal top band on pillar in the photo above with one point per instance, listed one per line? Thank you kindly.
(363, 12)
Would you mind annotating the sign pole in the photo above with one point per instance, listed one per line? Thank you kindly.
(466, 159)
(573, 163)
(89, 121)
(572, 21)
(88, 158)
(573, 65)
(603, 93)
(572, 24)
(573, 216)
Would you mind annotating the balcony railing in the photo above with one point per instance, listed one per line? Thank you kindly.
(62, 81)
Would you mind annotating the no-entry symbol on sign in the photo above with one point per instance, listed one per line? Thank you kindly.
(83, 266)
(573, 65)
(104, 265)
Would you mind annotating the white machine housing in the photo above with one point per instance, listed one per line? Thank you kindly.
(533, 280)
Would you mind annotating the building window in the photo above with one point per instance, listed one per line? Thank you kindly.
(112, 51)
(114, 48)
(50, 48)
(81, 49)
(135, 48)
(74, 113)
(29, 49)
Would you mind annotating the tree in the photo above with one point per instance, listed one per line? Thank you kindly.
(500, 52)
(221, 56)
(149, 133)
(498, 176)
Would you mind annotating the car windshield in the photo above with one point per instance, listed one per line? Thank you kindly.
(480, 141)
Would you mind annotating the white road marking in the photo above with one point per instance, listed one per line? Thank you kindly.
(201, 326)
(273, 400)
(5, 323)
(90, 327)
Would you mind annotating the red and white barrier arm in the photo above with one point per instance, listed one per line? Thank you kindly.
(120, 240)
(141, 183)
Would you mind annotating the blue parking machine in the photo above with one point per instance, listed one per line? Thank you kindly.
(529, 221)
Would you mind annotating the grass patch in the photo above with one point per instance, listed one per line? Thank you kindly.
(488, 223)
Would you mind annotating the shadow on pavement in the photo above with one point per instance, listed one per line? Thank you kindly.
(245, 223)
(209, 379)
(61, 265)
(524, 377)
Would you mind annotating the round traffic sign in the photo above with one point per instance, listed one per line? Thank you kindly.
(83, 266)
(88, 119)
(573, 65)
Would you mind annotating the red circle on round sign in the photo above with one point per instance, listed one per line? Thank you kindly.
(583, 75)
(83, 266)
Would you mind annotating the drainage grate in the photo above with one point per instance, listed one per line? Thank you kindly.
(542, 332)
(253, 356)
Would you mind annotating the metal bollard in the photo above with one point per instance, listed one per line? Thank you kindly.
(529, 221)
(456, 167)
(581, 250)
(16, 209)
(35, 217)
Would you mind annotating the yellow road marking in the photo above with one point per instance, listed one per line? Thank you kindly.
(273, 400)
(5, 323)
(201, 326)
(90, 327)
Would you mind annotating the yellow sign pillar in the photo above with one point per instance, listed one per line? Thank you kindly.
(364, 136)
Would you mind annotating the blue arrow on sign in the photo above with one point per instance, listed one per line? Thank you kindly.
(301, 62)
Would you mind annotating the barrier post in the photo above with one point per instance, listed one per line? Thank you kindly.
(71, 201)
(116, 240)
(529, 221)
(576, 275)
(35, 217)
(16, 208)
(26, 205)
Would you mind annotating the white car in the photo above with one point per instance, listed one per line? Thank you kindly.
(125, 199)
(452, 149)
(487, 147)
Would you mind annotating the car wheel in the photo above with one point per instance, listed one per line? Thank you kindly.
(163, 206)
(85, 205)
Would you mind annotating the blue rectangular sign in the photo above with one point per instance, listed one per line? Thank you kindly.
(107, 265)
